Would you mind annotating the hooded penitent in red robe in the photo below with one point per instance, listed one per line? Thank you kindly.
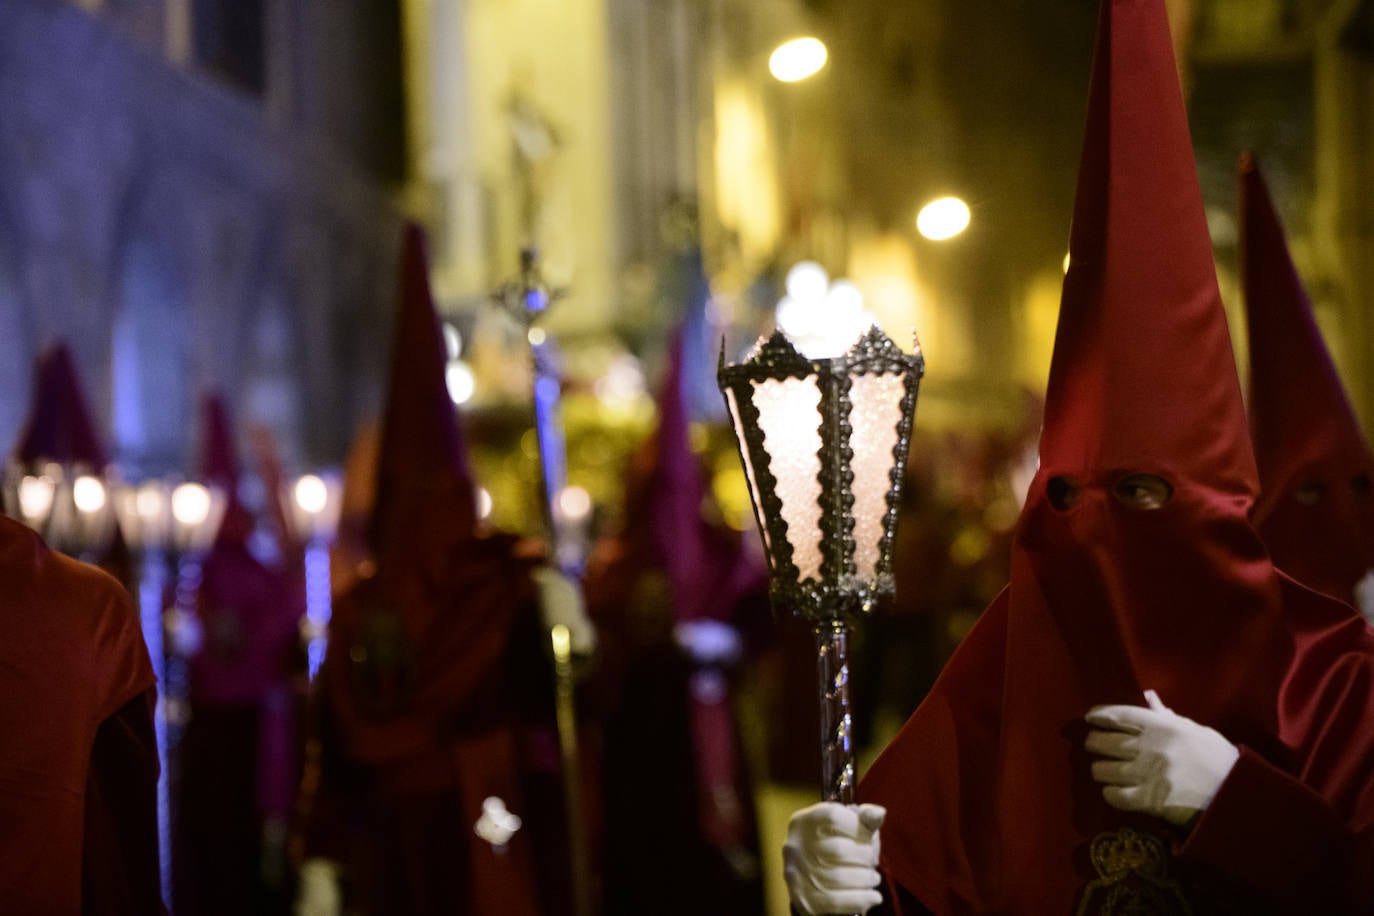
(991, 804)
(671, 738)
(78, 772)
(237, 772)
(1316, 506)
(434, 684)
(60, 429)
(1316, 517)
(250, 611)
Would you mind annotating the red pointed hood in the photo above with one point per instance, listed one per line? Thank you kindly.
(351, 556)
(1142, 372)
(707, 568)
(670, 510)
(1316, 511)
(425, 496)
(412, 646)
(59, 426)
(268, 459)
(219, 462)
(992, 807)
(219, 466)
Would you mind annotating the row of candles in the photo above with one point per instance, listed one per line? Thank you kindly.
(169, 525)
(77, 511)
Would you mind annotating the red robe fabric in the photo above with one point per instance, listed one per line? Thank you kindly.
(991, 804)
(78, 818)
(425, 724)
(434, 694)
(1299, 828)
(1316, 509)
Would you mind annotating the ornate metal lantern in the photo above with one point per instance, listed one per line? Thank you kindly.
(824, 444)
(311, 505)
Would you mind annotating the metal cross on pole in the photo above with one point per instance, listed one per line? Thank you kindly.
(528, 299)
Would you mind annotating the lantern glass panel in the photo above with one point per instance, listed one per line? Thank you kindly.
(748, 465)
(789, 417)
(875, 414)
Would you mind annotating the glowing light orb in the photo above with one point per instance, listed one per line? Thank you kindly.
(574, 502)
(822, 319)
(794, 318)
(844, 298)
(943, 219)
(461, 382)
(190, 504)
(807, 282)
(35, 496)
(88, 493)
(797, 59)
(311, 494)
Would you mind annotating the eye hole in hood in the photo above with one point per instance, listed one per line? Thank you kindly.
(1144, 492)
(1063, 492)
(1310, 491)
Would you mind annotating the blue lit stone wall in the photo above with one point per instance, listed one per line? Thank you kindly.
(180, 240)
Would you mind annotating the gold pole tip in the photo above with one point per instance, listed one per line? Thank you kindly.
(562, 642)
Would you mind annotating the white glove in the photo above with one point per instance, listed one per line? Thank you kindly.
(1159, 762)
(1364, 596)
(317, 893)
(496, 825)
(830, 859)
(709, 642)
(560, 601)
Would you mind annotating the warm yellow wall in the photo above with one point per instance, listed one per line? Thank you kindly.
(1037, 318)
(745, 160)
(469, 59)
